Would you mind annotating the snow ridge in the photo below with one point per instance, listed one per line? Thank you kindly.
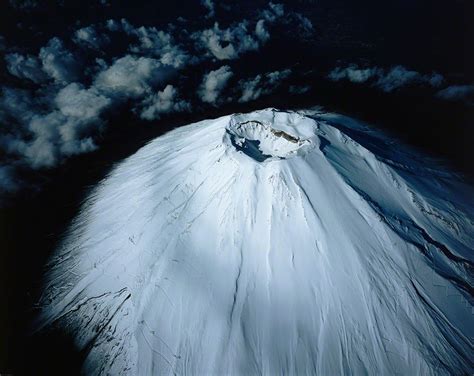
(270, 243)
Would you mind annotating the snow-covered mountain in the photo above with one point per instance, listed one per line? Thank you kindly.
(270, 243)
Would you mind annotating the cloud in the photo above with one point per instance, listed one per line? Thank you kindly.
(353, 73)
(254, 88)
(230, 43)
(75, 101)
(151, 42)
(54, 61)
(16, 105)
(113, 25)
(8, 180)
(251, 89)
(209, 5)
(213, 83)
(386, 80)
(25, 5)
(88, 36)
(132, 76)
(238, 38)
(163, 102)
(124, 65)
(58, 62)
(43, 128)
(299, 24)
(47, 138)
(44, 149)
(461, 93)
(302, 23)
(261, 32)
(298, 90)
(273, 12)
(160, 44)
(277, 76)
(399, 77)
(28, 67)
(212, 39)
(226, 44)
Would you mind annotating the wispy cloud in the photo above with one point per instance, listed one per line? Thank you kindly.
(213, 83)
(262, 84)
(459, 93)
(209, 5)
(163, 102)
(387, 80)
(69, 84)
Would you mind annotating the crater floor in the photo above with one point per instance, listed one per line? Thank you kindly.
(260, 141)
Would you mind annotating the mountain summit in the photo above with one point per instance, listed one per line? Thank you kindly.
(270, 243)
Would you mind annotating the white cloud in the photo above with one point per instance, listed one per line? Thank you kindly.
(25, 5)
(273, 12)
(112, 25)
(304, 24)
(254, 88)
(62, 116)
(213, 83)
(56, 122)
(399, 76)
(386, 80)
(163, 102)
(298, 90)
(56, 137)
(149, 41)
(297, 22)
(212, 40)
(43, 150)
(75, 101)
(160, 44)
(131, 76)
(88, 36)
(67, 131)
(353, 74)
(16, 104)
(226, 44)
(209, 5)
(261, 32)
(43, 138)
(277, 76)
(8, 180)
(28, 67)
(58, 62)
(231, 42)
(251, 89)
(463, 93)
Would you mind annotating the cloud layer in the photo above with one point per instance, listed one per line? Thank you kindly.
(61, 92)
(458, 93)
(262, 84)
(387, 80)
(68, 85)
(213, 83)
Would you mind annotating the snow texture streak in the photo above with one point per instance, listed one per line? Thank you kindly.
(340, 252)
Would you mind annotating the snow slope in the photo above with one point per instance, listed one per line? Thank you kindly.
(270, 243)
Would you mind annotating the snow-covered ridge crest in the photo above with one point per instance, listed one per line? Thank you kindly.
(327, 249)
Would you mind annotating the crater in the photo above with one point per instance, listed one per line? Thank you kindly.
(260, 141)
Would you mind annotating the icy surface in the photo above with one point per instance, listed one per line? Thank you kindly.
(325, 249)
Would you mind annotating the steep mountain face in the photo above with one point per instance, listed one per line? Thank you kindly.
(270, 243)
